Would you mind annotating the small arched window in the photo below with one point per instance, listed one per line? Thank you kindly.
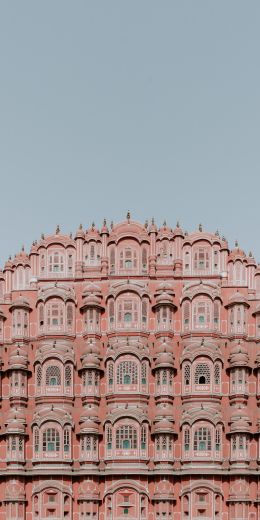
(38, 375)
(66, 440)
(126, 438)
(186, 315)
(53, 375)
(51, 440)
(69, 316)
(217, 374)
(110, 374)
(202, 374)
(187, 375)
(109, 437)
(202, 439)
(127, 373)
(68, 375)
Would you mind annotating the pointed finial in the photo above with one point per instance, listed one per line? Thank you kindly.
(146, 224)
(236, 243)
(164, 223)
(57, 229)
(10, 257)
(42, 236)
(186, 233)
(177, 224)
(111, 224)
(128, 215)
(93, 225)
(200, 227)
(250, 254)
(153, 221)
(104, 222)
(224, 238)
(217, 233)
(70, 235)
(22, 248)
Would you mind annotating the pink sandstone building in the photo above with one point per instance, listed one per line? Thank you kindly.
(130, 377)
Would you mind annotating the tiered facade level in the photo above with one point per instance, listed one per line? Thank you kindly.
(130, 377)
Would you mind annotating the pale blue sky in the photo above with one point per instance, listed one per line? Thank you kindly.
(151, 106)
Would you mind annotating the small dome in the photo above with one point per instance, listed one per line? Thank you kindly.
(240, 421)
(20, 303)
(164, 425)
(164, 359)
(89, 426)
(18, 358)
(239, 355)
(237, 298)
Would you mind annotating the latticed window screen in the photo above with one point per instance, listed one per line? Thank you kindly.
(111, 310)
(20, 443)
(69, 315)
(186, 313)
(53, 376)
(143, 437)
(217, 374)
(217, 439)
(126, 437)
(144, 373)
(144, 311)
(41, 315)
(187, 375)
(38, 375)
(68, 375)
(201, 259)
(109, 437)
(36, 440)
(187, 440)
(202, 439)
(110, 374)
(144, 258)
(66, 439)
(127, 373)
(51, 440)
(202, 374)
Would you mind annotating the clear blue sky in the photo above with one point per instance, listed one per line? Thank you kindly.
(151, 106)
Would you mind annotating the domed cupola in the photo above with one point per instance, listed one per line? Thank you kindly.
(239, 356)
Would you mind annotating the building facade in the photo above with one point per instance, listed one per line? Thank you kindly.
(130, 377)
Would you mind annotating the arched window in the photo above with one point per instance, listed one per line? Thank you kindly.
(55, 314)
(38, 375)
(41, 316)
(144, 373)
(36, 440)
(186, 439)
(186, 315)
(51, 440)
(217, 371)
(202, 439)
(201, 262)
(110, 370)
(128, 311)
(201, 313)
(69, 316)
(56, 262)
(53, 376)
(128, 259)
(202, 374)
(112, 260)
(109, 437)
(66, 440)
(127, 373)
(144, 259)
(68, 375)
(126, 438)
(143, 438)
(187, 375)
(111, 311)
